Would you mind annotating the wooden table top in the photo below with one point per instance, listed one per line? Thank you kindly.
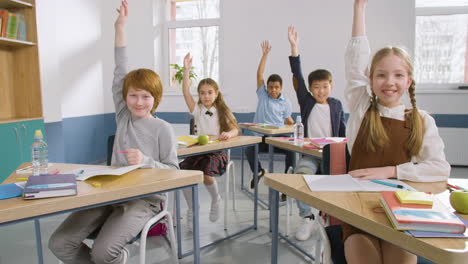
(289, 145)
(355, 208)
(219, 145)
(134, 183)
(289, 129)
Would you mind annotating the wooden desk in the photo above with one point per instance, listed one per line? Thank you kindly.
(355, 208)
(286, 144)
(288, 129)
(235, 142)
(114, 189)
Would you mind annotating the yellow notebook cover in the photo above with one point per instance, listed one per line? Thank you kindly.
(411, 197)
(187, 140)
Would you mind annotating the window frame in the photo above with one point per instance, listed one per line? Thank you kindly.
(440, 11)
(189, 23)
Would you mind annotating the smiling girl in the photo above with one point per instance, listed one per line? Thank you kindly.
(386, 139)
(212, 117)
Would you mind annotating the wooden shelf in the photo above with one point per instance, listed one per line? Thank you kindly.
(19, 119)
(14, 4)
(15, 42)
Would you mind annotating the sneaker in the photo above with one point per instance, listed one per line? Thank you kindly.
(260, 175)
(125, 255)
(189, 220)
(305, 229)
(215, 208)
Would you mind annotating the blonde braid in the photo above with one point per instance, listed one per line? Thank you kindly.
(417, 129)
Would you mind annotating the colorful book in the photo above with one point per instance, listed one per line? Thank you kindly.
(4, 17)
(12, 26)
(439, 234)
(436, 219)
(321, 142)
(45, 186)
(410, 197)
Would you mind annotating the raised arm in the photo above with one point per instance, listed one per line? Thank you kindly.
(121, 60)
(359, 23)
(261, 66)
(120, 24)
(292, 37)
(186, 83)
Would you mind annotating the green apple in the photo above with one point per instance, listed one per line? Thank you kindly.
(203, 139)
(459, 201)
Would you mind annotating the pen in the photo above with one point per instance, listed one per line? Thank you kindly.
(461, 188)
(55, 172)
(453, 186)
(21, 179)
(122, 151)
(388, 184)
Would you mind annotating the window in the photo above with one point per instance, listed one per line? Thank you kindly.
(193, 27)
(441, 42)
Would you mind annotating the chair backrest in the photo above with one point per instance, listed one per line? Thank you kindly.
(335, 159)
(192, 126)
(110, 147)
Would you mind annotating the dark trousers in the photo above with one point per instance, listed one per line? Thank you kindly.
(263, 147)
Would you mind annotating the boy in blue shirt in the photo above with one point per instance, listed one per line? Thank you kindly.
(322, 116)
(272, 108)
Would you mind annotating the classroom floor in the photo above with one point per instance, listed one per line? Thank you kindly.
(17, 242)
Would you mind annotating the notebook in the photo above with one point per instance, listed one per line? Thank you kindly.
(346, 183)
(320, 142)
(48, 185)
(11, 190)
(436, 219)
(187, 140)
(82, 174)
(409, 197)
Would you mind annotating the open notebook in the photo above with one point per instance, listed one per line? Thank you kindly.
(346, 183)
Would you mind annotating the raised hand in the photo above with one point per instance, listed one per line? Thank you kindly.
(292, 36)
(187, 62)
(360, 2)
(123, 14)
(266, 47)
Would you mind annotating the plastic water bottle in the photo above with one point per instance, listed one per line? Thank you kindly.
(39, 154)
(298, 132)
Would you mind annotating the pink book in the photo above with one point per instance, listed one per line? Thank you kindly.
(320, 142)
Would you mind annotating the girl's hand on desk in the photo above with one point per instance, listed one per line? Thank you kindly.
(380, 173)
(134, 156)
(224, 136)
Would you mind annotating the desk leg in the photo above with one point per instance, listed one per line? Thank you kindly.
(274, 215)
(242, 169)
(196, 234)
(270, 170)
(179, 226)
(256, 187)
(37, 226)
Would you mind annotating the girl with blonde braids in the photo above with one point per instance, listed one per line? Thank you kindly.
(386, 140)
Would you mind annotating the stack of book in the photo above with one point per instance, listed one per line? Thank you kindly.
(12, 25)
(418, 211)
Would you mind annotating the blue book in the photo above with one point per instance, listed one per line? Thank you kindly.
(45, 186)
(10, 190)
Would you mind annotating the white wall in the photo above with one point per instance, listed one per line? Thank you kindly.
(76, 48)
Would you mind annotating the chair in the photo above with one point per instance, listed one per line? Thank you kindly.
(142, 236)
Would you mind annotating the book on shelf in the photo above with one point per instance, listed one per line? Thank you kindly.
(12, 26)
(85, 173)
(321, 142)
(45, 186)
(22, 29)
(4, 17)
(412, 197)
(436, 219)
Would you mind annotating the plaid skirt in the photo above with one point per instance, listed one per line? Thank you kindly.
(212, 164)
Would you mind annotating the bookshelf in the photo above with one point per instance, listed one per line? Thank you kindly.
(20, 94)
(20, 91)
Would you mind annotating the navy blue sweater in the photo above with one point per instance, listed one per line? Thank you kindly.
(307, 102)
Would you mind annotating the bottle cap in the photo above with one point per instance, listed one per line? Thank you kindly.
(38, 133)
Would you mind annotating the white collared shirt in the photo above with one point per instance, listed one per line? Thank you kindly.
(430, 164)
(206, 124)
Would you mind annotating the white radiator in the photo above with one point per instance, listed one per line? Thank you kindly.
(456, 145)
